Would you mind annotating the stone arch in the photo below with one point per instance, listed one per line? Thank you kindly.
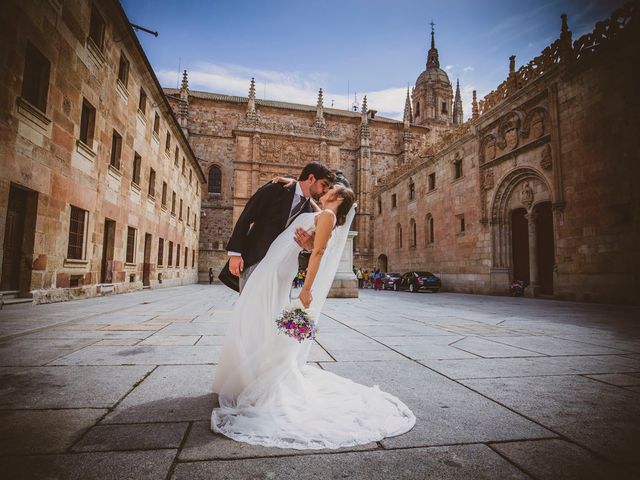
(521, 188)
(383, 263)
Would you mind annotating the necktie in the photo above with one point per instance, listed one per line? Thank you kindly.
(296, 209)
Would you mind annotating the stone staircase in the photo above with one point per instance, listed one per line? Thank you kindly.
(13, 297)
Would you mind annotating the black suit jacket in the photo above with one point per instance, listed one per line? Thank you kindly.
(262, 220)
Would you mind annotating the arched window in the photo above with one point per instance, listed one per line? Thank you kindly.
(417, 109)
(215, 180)
(430, 237)
(412, 190)
(398, 236)
(413, 240)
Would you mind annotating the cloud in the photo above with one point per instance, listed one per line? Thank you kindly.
(468, 68)
(293, 86)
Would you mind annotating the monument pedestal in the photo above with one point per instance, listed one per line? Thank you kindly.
(345, 283)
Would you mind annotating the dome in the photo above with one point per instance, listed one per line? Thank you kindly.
(433, 75)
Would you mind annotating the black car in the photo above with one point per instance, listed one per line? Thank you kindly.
(389, 280)
(416, 281)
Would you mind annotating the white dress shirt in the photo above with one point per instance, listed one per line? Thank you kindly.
(297, 197)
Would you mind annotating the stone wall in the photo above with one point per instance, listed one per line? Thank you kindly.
(42, 156)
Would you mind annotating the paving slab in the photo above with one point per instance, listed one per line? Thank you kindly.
(618, 379)
(601, 417)
(458, 462)
(34, 352)
(94, 465)
(170, 394)
(171, 340)
(44, 431)
(558, 459)
(490, 348)
(203, 444)
(67, 387)
(143, 436)
(532, 366)
(142, 355)
(446, 412)
(555, 346)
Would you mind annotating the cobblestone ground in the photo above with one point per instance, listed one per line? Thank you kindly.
(502, 388)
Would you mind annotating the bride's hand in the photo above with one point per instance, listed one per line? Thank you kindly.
(286, 180)
(305, 298)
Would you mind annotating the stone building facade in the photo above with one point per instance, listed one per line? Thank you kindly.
(242, 142)
(100, 190)
(539, 185)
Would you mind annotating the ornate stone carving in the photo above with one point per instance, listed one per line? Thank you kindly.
(526, 195)
(545, 157)
(488, 180)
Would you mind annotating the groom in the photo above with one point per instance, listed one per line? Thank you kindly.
(267, 213)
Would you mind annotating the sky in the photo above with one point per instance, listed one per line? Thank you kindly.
(363, 47)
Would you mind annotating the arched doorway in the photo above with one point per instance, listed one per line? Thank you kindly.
(520, 245)
(522, 233)
(383, 263)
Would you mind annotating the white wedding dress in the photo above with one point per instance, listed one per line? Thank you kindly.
(267, 393)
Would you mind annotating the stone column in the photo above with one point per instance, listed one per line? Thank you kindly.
(532, 289)
(345, 283)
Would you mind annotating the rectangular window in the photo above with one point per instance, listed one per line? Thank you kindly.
(96, 28)
(188, 216)
(137, 165)
(160, 251)
(142, 104)
(173, 203)
(87, 123)
(379, 205)
(156, 124)
(193, 259)
(123, 70)
(186, 255)
(394, 200)
(176, 156)
(462, 226)
(180, 215)
(116, 150)
(432, 181)
(167, 143)
(164, 194)
(412, 191)
(190, 176)
(152, 182)
(183, 166)
(35, 80)
(457, 167)
(75, 281)
(131, 245)
(444, 107)
(194, 221)
(77, 223)
(178, 255)
(170, 260)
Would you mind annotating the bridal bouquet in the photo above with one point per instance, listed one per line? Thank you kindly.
(296, 322)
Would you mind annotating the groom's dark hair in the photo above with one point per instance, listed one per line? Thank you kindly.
(318, 170)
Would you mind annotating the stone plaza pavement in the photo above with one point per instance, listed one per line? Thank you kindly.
(502, 388)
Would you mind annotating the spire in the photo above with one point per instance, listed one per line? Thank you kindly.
(364, 124)
(408, 113)
(183, 111)
(457, 106)
(185, 81)
(251, 105)
(320, 123)
(566, 49)
(474, 107)
(432, 56)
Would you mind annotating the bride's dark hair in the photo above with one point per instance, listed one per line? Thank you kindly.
(348, 197)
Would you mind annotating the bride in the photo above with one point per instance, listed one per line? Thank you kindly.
(267, 393)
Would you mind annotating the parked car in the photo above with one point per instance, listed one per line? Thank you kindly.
(416, 281)
(389, 280)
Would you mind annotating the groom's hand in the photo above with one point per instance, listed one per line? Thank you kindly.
(236, 265)
(304, 238)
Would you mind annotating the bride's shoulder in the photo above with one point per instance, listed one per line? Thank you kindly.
(327, 214)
